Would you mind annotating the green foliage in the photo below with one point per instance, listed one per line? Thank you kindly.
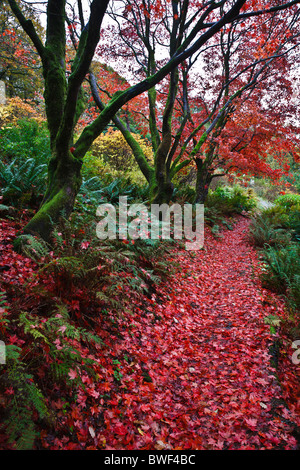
(276, 231)
(225, 202)
(63, 340)
(265, 231)
(231, 200)
(31, 246)
(277, 225)
(26, 140)
(22, 182)
(183, 194)
(27, 400)
(288, 201)
(282, 271)
(95, 190)
(24, 155)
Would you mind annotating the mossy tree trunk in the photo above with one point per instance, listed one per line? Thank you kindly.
(64, 104)
(63, 169)
(64, 181)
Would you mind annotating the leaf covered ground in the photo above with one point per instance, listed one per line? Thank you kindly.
(192, 367)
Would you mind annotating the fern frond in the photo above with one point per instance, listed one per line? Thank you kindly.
(27, 399)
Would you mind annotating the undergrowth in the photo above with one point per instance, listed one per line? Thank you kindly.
(79, 284)
(276, 233)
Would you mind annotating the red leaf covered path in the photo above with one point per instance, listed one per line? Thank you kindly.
(212, 383)
(190, 369)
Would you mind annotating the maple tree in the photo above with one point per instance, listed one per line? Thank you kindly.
(245, 111)
(20, 65)
(219, 119)
(191, 24)
(105, 81)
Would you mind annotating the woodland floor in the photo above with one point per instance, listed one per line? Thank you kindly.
(192, 368)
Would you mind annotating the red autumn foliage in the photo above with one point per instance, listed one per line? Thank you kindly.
(188, 368)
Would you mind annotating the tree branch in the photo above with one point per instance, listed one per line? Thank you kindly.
(131, 141)
(28, 27)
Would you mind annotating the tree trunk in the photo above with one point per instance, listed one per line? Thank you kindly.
(162, 187)
(201, 192)
(203, 180)
(162, 190)
(64, 181)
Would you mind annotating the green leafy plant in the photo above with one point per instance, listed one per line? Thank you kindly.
(96, 190)
(32, 247)
(230, 200)
(63, 340)
(264, 230)
(288, 200)
(22, 182)
(26, 401)
(28, 139)
(281, 271)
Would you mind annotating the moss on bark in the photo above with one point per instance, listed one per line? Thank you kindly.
(64, 181)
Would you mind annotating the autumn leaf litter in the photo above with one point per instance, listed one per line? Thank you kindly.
(190, 368)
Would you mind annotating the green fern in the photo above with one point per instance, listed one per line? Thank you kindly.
(18, 178)
(70, 266)
(265, 231)
(4, 321)
(20, 425)
(282, 268)
(30, 327)
(59, 327)
(30, 246)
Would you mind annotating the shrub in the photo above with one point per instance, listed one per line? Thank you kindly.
(288, 201)
(278, 224)
(110, 155)
(28, 139)
(263, 231)
(282, 271)
(17, 109)
(277, 230)
(183, 194)
(96, 190)
(229, 200)
(24, 155)
(289, 206)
